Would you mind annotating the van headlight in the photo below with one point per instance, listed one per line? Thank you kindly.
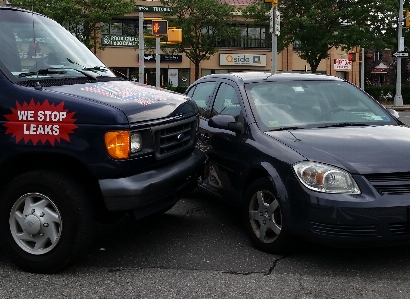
(136, 142)
(325, 178)
(120, 144)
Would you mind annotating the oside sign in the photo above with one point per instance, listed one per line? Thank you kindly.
(242, 59)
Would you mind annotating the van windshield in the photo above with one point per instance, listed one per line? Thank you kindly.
(33, 46)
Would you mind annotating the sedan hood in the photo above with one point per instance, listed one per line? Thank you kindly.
(364, 150)
(139, 102)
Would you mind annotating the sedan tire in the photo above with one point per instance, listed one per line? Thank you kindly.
(264, 218)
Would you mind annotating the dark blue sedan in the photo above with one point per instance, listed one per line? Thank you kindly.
(304, 155)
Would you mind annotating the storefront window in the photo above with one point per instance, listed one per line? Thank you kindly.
(183, 79)
(205, 72)
(123, 32)
(251, 36)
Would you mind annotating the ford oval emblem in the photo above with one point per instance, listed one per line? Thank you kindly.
(181, 137)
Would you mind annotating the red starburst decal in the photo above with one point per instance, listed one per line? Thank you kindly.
(40, 122)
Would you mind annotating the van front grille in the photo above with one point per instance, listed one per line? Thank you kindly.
(174, 138)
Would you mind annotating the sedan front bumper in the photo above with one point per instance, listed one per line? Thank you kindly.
(351, 220)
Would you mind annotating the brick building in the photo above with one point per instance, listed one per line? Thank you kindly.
(121, 53)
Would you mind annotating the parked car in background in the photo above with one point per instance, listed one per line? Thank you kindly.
(305, 156)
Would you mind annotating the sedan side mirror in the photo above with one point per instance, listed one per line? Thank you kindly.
(226, 122)
(394, 113)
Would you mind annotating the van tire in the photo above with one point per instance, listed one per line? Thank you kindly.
(46, 221)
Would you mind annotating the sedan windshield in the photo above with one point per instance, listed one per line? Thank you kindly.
(305, 104)
(33, 46)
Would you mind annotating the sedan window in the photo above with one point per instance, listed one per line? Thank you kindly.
(202, 94)
(226, 101)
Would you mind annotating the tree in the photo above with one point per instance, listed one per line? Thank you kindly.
(203, 24)
(319, 25)
(81, 17)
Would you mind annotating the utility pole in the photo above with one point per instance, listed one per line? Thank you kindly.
(157, 62)
(362, 71)
(275, 30)
(398, 99)
(141, 73)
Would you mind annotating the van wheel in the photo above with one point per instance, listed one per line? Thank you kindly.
(264, 218)
(46, 222)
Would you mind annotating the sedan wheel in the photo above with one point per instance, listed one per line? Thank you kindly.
(264, 218)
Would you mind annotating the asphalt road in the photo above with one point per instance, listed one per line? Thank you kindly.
(405, 117)
(199, 250)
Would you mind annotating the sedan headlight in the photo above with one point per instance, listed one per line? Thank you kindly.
(324, 178)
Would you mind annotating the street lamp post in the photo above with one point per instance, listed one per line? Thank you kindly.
(398, 99)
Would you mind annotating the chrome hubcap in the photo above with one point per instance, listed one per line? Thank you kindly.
(35, 223)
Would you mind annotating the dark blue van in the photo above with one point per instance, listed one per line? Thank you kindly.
(79, 144)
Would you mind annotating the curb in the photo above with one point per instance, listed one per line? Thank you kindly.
(398, 108)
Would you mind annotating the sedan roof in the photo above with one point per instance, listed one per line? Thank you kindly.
(248, 77)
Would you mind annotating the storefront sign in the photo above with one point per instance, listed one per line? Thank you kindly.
(119, 40)
(342, 64)
(163, 58)
(242, 59)
(173, 77)
(153, 8)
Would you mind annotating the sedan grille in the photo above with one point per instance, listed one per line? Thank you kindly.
(393, 183)
(344, 230)
(400, 229)
(174, 138)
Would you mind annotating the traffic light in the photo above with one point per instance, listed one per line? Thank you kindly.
(175, 35)
(159, 27)
(352, 57)
(406, 19)
(274, 2)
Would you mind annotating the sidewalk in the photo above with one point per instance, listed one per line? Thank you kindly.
(398, 108)
(390, 105)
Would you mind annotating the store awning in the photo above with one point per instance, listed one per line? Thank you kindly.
(381, 68)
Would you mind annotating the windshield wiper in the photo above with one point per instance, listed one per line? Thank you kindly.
(48, 71)
(339, 125)
(28, 74)
(96, 68)
(288, 128)
(85, 73)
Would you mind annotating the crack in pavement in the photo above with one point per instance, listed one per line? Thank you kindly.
(242, 273)
(269, 272)
(274, 264)
(194, 210)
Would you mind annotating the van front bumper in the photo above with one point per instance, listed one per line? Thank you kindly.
(154, 187)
